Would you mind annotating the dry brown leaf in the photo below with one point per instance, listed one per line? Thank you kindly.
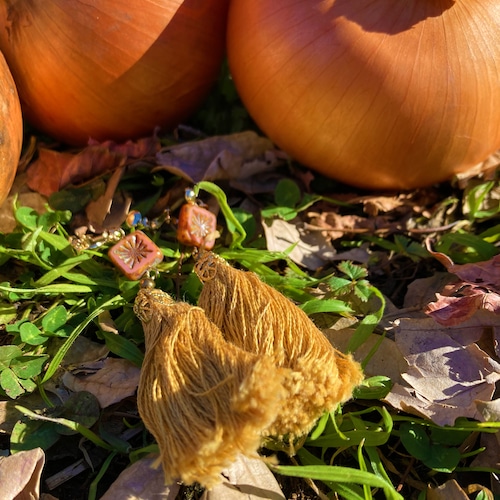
(54, 170)
(143, 480)
(486, 170)
(477, 289)
(490, 457)
(445, 378)
(232, 157)
(20, 475)
(490, 411)
(451, 310)
(109, 210)
(422, 291)
(109, 381)
(246, 479)
(337, 226)
(486, 273)
(446, 491)
(9, 415)
(84, 351)
(312, 250)
(141, 148)
(387, 360)
(7, 219)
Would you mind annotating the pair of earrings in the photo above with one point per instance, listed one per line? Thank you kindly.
(218, 377)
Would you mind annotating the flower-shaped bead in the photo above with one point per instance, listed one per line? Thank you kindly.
(197, 226)
(135, 254)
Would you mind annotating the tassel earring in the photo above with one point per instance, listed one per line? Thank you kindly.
(260, 320)
(204, 400)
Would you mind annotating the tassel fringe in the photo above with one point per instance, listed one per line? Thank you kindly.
(203, 399)
(260, 320)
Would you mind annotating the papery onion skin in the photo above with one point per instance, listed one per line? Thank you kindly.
(11, 130)
(384, 94)
(111, 69)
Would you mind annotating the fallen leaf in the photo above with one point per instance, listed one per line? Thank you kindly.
(143, 480)
(84, 351)
(487, 170)
(312, 250)
(477, 289)
(231, 157)
(444, 378)
(109, 381)
(247, 478)
(9, 416)
(109, 211)
(7, 219)
(387, 359)
(450, 489)
(53, 170)
(422, 291)
(490, 457)
(141, 148)
(485, 273)
(20, 475)
(450, 310)
(490, 411)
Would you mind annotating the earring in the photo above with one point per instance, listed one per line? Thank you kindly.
(202, 398)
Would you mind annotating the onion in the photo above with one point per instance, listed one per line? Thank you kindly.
(11, 130)
(375, 93)
(111, 69)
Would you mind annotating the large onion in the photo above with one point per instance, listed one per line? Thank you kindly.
(11, 130)
(376, 93)
(111, 69)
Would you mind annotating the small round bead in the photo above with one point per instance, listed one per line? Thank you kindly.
(147, 283)
(190, 195)
(133, 218)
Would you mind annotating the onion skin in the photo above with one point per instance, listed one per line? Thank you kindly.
(11, 130)
(384, 94)
(111, 69)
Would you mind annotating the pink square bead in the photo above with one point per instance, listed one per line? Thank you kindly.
(197, 227)
(135, 254)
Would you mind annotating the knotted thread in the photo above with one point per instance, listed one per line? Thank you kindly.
(203, 399)
(260, 320)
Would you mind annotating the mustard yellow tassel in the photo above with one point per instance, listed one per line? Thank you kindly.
(203, 399)
(260, 320)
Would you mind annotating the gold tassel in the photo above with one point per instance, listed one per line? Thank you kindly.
(260, 320)
(203, 399)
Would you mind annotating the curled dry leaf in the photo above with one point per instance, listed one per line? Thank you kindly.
(458, 303)
(477, 289)
(143, 480)
(109, 381)
(486, 170)
(20, 475)
(110, 210)
(54, 170)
